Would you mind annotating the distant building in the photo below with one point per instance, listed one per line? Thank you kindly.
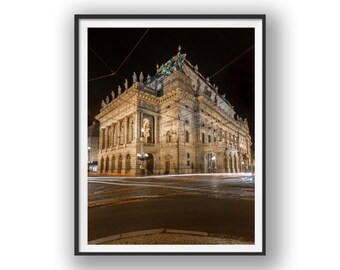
(173, 122)
(92, 147)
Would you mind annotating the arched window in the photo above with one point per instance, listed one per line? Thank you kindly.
(129, 130)
(121, 133)
(113, 161)
(120, 164)
(203, 138)
(168, 136)
(148, 127)
(114, 139)
(110, 137)
(209, 139)
(128, 163)
(187, 135)
(107, 160)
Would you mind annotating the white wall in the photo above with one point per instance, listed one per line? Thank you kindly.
(36, 200)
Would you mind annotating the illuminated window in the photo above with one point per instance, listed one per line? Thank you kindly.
(187, 135)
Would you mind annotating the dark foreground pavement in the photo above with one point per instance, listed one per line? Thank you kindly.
(216, 204)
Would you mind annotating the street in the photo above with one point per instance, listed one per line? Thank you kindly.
(213, 203)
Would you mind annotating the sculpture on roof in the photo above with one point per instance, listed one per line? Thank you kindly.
(148, 77)
(175, 63)
(107, 100)
(134, 77)
(126, 84)
(113, 94)
(103, 104)
(119, 90)
(141, 77)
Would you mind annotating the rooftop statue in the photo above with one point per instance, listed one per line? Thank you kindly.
(175, 63)
(141, 77)
(113, 94)
(107, 100)
(103, 104)
(119, 90)
(134, 77)
(126, 84)
(148, 77)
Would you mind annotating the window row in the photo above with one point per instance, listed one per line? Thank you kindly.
(110, 165)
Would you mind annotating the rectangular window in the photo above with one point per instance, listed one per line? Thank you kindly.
(203, 138)
(188, 155)
(188, 162)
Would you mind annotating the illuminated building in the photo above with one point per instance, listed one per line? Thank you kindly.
(173, 122)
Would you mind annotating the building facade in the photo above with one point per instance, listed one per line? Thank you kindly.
(172, 123)
(92, 147)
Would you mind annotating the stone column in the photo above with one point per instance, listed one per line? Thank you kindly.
(237, 163)
(112, 132)
(228, 162)
(156, 128)
(232, 163)
(107, 138)
(126, 130)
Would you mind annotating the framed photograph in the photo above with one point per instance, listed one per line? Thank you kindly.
(170, 135)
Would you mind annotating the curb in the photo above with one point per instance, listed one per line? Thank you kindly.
(144, 232)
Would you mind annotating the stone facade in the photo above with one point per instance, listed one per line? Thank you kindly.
(175, 122)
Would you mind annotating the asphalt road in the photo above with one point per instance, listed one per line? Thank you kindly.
(213, 203)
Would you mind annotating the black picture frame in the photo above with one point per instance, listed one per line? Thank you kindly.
(79, 129)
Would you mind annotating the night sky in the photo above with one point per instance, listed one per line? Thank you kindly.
(210, 48)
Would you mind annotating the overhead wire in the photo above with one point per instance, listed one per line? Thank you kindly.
(232, 61)
(116, 72)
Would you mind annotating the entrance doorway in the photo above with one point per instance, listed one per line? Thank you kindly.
(167, 167)
(120, 164)
(211, 163)
(150, 165)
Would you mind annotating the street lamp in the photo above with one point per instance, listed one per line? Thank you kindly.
(142, 156)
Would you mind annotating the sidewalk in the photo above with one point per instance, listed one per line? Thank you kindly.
(168, 236)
